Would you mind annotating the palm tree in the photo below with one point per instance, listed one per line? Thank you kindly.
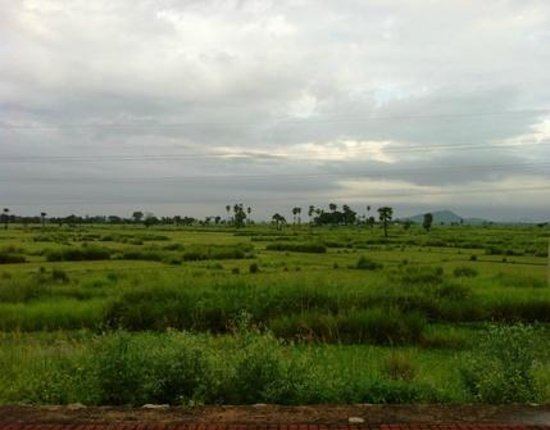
(228, 210)
(295, 212)
(43, 218)
(249, 211)
(385, 214)
(6, 218)
(310, 212)
(332, 207)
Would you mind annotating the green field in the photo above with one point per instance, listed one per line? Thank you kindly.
(125, 314)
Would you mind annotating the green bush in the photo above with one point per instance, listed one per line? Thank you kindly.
(9, 258)
(315, 248)
(465, 271)
(501, 369)
(363, 263)
(85, 253)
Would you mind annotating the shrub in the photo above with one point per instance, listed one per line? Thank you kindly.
(254, 268)
(399, 367)
(316, 248)
(501, 369)
(119, 370)
(473, 257)
(9, 258)
(420, 275)
(59, 275)
(465, 271)
(79, 254)
(363, 263)
(264, 374)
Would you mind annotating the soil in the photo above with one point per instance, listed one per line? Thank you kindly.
(274, 414)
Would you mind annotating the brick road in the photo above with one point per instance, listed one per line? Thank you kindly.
(152, 426)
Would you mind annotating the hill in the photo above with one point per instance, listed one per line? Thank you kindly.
(446, 217)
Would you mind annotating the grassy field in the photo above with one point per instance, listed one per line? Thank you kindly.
(127, 315)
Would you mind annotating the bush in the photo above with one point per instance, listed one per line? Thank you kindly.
(399, 367)
(85, 253)
(501, 369)
(59, 275)
(254, 268)
(316, 248)
(363, 263)
(9, 258)
(465, 271)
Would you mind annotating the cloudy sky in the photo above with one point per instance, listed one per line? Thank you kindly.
(179, 107)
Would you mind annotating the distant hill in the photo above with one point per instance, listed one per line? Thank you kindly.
(446, 217)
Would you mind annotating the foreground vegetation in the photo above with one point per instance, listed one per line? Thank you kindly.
(122, 314)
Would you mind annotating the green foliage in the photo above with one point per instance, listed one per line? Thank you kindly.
(364, 263)
(315, 248)
(465, 271)
(7, 257)
(87, 253)
(501, 370)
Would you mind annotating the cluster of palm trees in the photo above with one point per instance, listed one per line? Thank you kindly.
(6, 217)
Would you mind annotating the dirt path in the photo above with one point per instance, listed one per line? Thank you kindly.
(372, 415)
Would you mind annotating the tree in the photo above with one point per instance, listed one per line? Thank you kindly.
(333, 207)
(249, 213)
(385, 216)
(278, 220)
(150, 219)
(6, 218)
(310, 212)
(427, 222)
(371, 221)
(228, 210)
(348, 215)
(296, 214)
(137, 216)
(240, 215)
(43, 218)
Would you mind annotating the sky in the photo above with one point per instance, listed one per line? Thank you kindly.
(181, 107)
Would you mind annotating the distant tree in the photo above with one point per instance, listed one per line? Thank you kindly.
(114, 219)
(296, 211)
(310, 212)
(407, 224)
(333, 207)
(150, 219)
(228, 210)
(371, 221)
(249, 213)
(43, 218)
(6, 218)
(348, 215)
(278, 220)
(428, 221)
(385, 215)
(137, 216)
(239, 215)
(177, 220)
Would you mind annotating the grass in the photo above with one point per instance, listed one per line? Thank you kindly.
(304, 315)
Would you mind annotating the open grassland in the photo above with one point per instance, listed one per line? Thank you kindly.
(123, 314)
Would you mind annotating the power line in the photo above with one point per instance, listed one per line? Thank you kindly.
(327, 118)
(348, 175)
(274, 156)
(363, 197)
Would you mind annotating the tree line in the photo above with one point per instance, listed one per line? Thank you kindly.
(236, 215)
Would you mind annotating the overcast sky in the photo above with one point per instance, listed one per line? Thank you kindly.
(179, 107)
